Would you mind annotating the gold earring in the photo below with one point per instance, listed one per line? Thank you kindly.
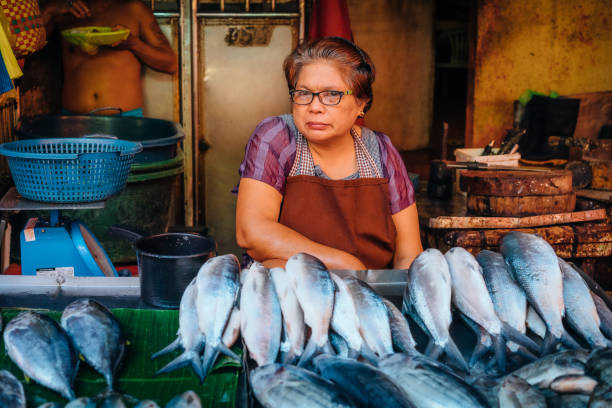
(361, 114)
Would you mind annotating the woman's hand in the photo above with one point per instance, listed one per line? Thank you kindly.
(408, 241)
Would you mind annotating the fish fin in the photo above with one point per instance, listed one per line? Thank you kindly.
(499, 345)
(310, 351)
(550, 343)
(568, 341)
(510, 333)
(188, 357)
(479, 351)
(368, 354)
(228, 352)
(170, 347)
(208, 360)
(452, 352)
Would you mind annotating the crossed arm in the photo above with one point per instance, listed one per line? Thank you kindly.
(266, 240)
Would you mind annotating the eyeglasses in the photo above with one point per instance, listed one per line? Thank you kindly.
(330, 98)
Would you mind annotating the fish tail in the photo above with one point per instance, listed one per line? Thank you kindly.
(568, 341)
(452, 352)
(550, 343)
(310, 351)
(208, 360)
(479, 351)
(510, 333)
(188, 357)
(368, 354)
(290, 357)
(526, 354)
(352, 353)
(328, 349)
(109, 381)
(433, 350)
(228, 352)
(170, 347)
(500, 352)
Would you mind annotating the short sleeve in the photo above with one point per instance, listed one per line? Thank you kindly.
(401, 191)
(269, 153)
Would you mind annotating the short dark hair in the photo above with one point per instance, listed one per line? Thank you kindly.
(353, 61)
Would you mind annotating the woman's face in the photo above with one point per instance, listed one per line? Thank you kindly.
(322, 123)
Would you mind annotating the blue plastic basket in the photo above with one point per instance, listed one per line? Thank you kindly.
(70, 170)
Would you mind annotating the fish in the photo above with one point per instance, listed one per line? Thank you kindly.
(188, 399)
(96, 333)
(400, 330)
(533, 264)
(572, 384)
(516, 392)
(605, 315)
(50, 405)
(314, 289)
(545, 370)
(429, 384)
(189, 337)
(109, 399)
(364, 384)
(580, 310)
(340, 345)
(535, 323)
(509, 299)
(293, 316)
(217, 287)
(345, 321)
(11, 391)
(427, 299)
(82, 402)
(471, 297)
(40, 347)
(146, 404)
(601, 397)
(599, 365)
(260, 318)
(288, 386)
(373, 316)
(568, 401)
(232, 330)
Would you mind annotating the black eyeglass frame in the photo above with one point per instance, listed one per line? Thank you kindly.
(318, 95)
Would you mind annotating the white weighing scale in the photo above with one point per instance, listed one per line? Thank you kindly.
(56, 246)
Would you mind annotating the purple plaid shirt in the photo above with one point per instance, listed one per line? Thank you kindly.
(270, 153)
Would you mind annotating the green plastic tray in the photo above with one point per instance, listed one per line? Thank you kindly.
(147, 331)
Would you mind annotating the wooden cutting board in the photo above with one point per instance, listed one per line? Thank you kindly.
(516, 183)
(512, 206)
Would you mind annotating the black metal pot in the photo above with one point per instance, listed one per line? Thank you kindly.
(167, 263)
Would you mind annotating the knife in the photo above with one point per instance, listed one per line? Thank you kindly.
(473, 165)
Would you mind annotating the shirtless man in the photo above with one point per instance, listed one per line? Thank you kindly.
(111, 77)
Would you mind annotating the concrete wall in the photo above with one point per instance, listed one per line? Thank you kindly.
(398, 35)
(544, 45)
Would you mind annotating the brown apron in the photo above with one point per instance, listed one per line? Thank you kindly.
(351, 215)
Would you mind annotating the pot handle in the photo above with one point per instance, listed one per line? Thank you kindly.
(128, 233)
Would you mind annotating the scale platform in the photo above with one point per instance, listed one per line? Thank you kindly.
(57, 247)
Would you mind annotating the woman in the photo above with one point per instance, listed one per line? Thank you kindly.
(316, 182)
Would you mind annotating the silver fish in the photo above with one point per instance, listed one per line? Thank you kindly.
(571, 384)
(345, 321)
(97, 335)
(580, 309)
(518, 393)
(400, 331)
(217, 288)
(601, 397)
(314, 289)
(109, 399)
(293, 316)
(373, 316)
(232, 330)
(535, 323)
(43, 350)
(427, 299)
(287, 386)
(364, 384)
(11, 391)
(429, 384)
(260, 317)
(568, 401)
(188, 399)
(340, 345)
(471, 296)
(146, 404)
(542, 372)
(189, 337)
(533, 264)
(605, 315)
(599, 365)
(50, 405)
(509, 299)
(82, 402)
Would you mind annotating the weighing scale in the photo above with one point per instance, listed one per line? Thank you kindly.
(56, 246)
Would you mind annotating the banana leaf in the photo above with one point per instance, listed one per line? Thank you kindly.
(147, 331)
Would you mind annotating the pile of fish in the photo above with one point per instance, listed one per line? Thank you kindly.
(321, 340)
(48, 353)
